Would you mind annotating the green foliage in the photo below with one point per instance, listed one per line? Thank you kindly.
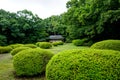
(3, 40)
(82, 42)
(21, 27)
(44, 45)
(54, 25)
(107, 44)
(16, 45)
(93, 19)
(31, 62)
(109, 22)
(89, 43)
(57, 43)
(5, 49)
(30, 45)
(18, 49)
(84, 64)
(54, 43)
(78, 42)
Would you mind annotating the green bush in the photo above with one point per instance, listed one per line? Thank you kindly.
(16, 50)
(16, 45)
(84, 64)
(5, 49)
(54, 43)
(107, 44)
(78, 42)
(44, 45)
(30, 45)
(89, 43)
(57, 43)
(31, 62)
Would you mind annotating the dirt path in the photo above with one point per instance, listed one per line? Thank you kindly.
(2, 56)
(5, 57)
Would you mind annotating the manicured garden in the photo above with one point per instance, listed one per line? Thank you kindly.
(31, 47)
(7, 71)
(61, 61)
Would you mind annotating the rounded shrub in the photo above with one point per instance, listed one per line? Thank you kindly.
(107, 44)
(78, 42)
(16, 45)
(16, 50)
(30, 45)
(84, 64)
(31, 62)
(57, 43)
(5, 49)
(44, 45)
(54, 43)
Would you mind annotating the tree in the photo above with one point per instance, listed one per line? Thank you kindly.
(31, 26)
(93, 19)
(21, 27)
(55, 26)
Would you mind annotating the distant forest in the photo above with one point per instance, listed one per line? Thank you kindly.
(92, 20)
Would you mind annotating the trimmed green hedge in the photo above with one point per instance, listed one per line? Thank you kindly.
(31, 62)
(16, 50)
(30, 45)
(56, 43)
(107, 44)
(16, 45)
(44, 45)
(5, 49)
(78, 42)
(84, 64)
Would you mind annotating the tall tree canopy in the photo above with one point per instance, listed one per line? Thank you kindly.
(21, 27)
(55, 26)
(93, 19)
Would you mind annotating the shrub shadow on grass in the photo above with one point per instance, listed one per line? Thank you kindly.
(35, 77)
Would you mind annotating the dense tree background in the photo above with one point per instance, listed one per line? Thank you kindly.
(21, 27)
(92, 20)
(54, 25)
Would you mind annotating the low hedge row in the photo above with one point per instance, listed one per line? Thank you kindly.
(16, 45)
(78, 42)
(44, 45)
(56, 43)
(30, 45)
(82, 42)
(5, 49)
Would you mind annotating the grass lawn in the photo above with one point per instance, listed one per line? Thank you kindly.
(65, 47)
(7, 70)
